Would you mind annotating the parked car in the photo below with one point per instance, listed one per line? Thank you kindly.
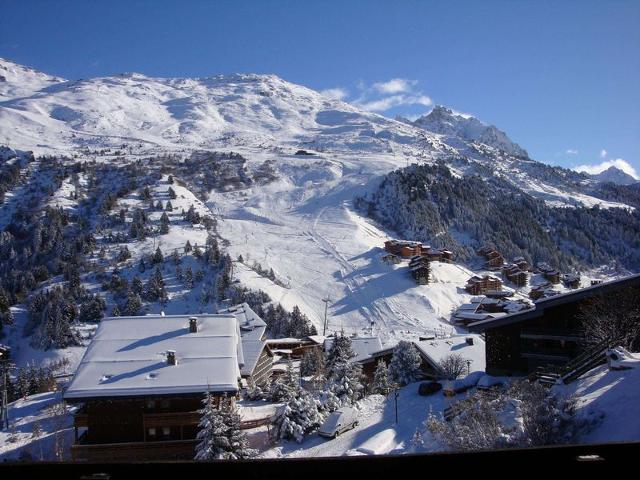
(338, 422)
(429, 388)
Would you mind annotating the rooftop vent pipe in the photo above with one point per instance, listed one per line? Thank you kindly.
(193, 324)
(171, 357)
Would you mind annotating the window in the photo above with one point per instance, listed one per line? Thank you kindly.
(164, 404)
(151, 432)
(151, 404)
(166, 431)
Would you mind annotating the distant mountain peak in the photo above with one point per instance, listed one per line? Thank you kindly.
(445, 121)
(614, 175)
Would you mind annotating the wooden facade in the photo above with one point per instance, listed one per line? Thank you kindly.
(142, 428)
(550, 334)
(477, 285)
(515, 274)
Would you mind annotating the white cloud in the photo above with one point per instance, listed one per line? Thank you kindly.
(335, 93)
(385, 103)
(603, 153)
(395, 85)
(619, 163)
(397, 92)
(571, 151)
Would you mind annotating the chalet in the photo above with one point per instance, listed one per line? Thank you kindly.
(543, 290)
(515, 274)
(258, 358)
(419, 268)
(435, 350)
(370, 362)
(548, 272)
(477, 285)
(522, 264)
(141, 381)
(363, 347)
(548, 334)
(403, 248)
(436, 254)
(291, 347)
(571, 280)
(494, 259)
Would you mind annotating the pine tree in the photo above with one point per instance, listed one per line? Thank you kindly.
(297, 417)
(133, 304)
(164, 223)
(187, 247)
(188, 278)
(213, 442)
(381, 381)
(238, 445)
(115, 312)
(172, 194)
(405, 363)
(157, 256)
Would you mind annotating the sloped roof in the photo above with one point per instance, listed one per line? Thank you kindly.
(252, 331)
(363, 347)
(127, 357)
(436, 350)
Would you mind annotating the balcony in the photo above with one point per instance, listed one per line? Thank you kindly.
(134, 451)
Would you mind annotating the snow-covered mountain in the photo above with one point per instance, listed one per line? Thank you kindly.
(446, 122)
(614, 175)
(301, 223)
(20, 81)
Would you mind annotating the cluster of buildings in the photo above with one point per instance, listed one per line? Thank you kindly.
(548, 334)
(485, 308)
(408, 249)
(419, 255)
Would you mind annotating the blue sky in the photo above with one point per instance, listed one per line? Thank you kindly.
(561, 78)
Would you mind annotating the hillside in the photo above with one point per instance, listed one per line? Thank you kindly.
(272, 170)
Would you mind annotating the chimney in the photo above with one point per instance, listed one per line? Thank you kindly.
(171, 357)
(469, 340)
(193, 325)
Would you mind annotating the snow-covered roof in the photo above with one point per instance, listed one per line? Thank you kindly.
(252, 330)
(127, 357)
(363, 347)
(438, 349)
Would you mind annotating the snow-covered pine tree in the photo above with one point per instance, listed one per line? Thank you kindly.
(238, 446)
(339, 353)
(297, 417)
(405, 363)
(381, 382)
(346, 382)
(285, 386)
(213, 442)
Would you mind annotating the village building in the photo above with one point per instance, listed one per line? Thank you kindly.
(141, 382)
(549, 273)
(494, 260)
(403, 248)
(571, 280)
(515, 275)
(549, 334)
(477, 285)
(435, 350)
(419, 268)
(363, 347)
(258, 358)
